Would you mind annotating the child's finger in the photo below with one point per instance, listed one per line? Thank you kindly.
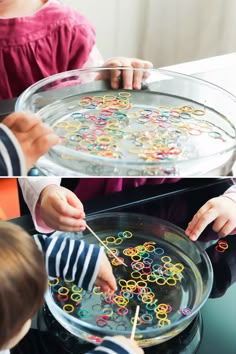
(147, 64)
(64, 208)
(77, 205)
(69, 224)
(22, 122)
(18, 117)
(106, 275)
(9, 121)
(39, 130)
(110, 280)
(226, 229)
(105, 287)
(137, 80)
(115, 79)
(202, 223)
(127, 76)
(35, 149)
(39, 140)
(138, 75)
(127, 73)
(114, 74)
(43, 142)
(112, 283)
(192, 224)
(219, 224)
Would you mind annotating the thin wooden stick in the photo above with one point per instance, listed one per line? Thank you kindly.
(62, 197)
(104, 245)
(95, 235)
(135, 322)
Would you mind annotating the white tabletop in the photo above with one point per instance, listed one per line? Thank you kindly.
(220, 70)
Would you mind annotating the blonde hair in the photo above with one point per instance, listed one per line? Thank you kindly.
(23, 280)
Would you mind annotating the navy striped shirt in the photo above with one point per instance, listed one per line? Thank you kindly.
(70, 259)
(12, 162)
(75, 260)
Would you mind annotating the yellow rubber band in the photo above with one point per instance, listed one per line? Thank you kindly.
(68, 308)
(61, 291)
(51, 282)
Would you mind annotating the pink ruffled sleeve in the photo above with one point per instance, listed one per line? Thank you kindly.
(31, 188)
(231, 193)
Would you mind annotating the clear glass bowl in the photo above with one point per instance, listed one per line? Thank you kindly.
(176, 125)
(179, 283)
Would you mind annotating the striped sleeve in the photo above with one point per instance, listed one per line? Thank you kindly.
(12, 161)
(110, 345)
(71, 259)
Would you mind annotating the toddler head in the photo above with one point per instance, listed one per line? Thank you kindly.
(23, 281)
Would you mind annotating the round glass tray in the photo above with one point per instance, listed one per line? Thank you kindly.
(175, 125)
(169, 276)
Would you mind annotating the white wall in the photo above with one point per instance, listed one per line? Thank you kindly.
(118, 24)
(185, 30)
(163, 31)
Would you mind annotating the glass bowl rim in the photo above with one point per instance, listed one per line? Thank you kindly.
(60, 149)
(164, 329)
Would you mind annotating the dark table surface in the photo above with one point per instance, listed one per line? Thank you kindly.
(214, 329)
(6, 107)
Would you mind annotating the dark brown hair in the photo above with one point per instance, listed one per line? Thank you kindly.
(23, 280)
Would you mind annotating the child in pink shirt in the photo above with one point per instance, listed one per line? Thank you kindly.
(44, 37)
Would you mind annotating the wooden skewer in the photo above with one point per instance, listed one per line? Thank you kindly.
(62, 197)
(95, 235)
(135, 322)
(104, 245)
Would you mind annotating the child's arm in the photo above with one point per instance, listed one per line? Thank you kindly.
(31, 190)
(24, 138)
(117, 345)
(86, 265)
(83, 264)
(220, 210)
(12, 162)
(61, 209)
(52, 207)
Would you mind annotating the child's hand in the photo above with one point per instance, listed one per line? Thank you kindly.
(131, 344)
(105, 279)
(221, 210)
(131, 79)
(34, 137)
(60, 209)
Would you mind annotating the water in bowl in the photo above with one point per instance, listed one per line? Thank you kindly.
(138, 133)
(160, 277)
